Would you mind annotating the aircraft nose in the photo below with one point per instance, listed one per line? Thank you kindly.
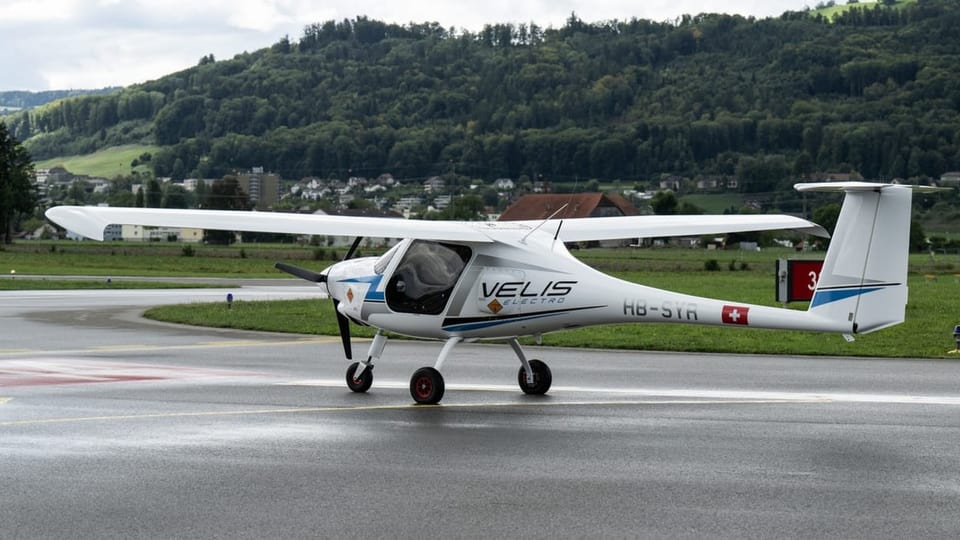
(332, 284)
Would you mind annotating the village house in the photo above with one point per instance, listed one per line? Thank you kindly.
(434, 184)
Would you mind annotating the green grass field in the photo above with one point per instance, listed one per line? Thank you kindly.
(744, 276)
(931, 316)
(841, 6)
(106, 163)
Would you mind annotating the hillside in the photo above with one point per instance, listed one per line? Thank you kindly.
(874, 92)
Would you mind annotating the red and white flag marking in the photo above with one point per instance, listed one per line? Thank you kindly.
(734, 315)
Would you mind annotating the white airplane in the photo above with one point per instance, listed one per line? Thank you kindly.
(467, 281)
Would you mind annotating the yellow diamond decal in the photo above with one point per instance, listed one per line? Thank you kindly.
(495, 306)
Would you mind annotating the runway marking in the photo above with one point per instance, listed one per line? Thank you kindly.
(51, 371)
(5, 400)
(195, 346)
(753, 395)
(394, 407)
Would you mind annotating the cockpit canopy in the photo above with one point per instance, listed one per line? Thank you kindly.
(424, 279)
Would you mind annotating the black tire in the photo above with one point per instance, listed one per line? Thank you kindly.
(426, 386)
(361, 384)
(542, 378)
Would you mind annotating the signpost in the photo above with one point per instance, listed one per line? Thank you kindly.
(796, 280)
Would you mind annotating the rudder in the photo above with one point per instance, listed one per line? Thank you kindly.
(864, 278)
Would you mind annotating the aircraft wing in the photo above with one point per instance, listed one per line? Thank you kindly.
(90, 221)
(611, 228)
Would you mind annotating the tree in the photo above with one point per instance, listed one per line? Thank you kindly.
(224, 194)
(174, 196)
(664, 203)
(918, 238)
(17, 195)
(826, 216)
(154, 194)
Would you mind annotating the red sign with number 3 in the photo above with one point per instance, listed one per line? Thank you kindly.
(803, 276)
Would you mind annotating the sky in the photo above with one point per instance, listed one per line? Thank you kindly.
(72, 44)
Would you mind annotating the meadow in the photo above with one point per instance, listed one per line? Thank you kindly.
(107, 163)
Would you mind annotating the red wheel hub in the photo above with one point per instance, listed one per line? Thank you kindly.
(424, 386)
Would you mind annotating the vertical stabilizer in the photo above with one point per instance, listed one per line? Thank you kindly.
(864, 279)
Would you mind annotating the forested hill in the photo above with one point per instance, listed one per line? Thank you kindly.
(876, 91)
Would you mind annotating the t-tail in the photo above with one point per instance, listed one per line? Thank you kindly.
(863, 284)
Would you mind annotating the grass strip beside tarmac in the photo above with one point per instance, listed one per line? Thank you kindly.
(927, 332)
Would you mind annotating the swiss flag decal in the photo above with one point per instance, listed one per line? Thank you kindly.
(734, 315)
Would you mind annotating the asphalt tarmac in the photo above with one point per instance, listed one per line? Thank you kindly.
(115, 427)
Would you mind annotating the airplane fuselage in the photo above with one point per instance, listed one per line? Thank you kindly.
(518, 287)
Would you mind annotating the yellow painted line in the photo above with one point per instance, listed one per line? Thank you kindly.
(118, 347)
(14, 351)
(396, 407)
(5, 400)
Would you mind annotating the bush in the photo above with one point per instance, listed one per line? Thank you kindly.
(187, 251)
(319, 254)
(711, 265)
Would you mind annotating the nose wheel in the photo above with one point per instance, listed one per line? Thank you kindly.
(426, 386)
(362, 382)
(542, 378)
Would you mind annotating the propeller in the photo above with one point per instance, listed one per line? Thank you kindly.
(301, 273)
(343, 323)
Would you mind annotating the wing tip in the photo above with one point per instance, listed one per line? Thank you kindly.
(74, 219)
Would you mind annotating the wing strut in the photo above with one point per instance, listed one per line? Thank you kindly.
(542, 223)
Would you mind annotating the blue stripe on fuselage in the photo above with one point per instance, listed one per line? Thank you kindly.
(822, 297)
(489, 324)
(372, 293)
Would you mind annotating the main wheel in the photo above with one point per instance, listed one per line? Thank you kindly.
(542, 378)
(362, 383)
(426, 386)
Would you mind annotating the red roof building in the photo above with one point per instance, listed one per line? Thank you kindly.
(578, 205)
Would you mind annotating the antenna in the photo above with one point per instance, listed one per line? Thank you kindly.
(542, 223)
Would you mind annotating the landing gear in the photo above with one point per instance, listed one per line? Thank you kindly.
(426, 386)
(359, 383)
(541, 379)
(534, 376)
(360, 375)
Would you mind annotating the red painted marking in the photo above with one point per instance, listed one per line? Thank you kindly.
(42, 371)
